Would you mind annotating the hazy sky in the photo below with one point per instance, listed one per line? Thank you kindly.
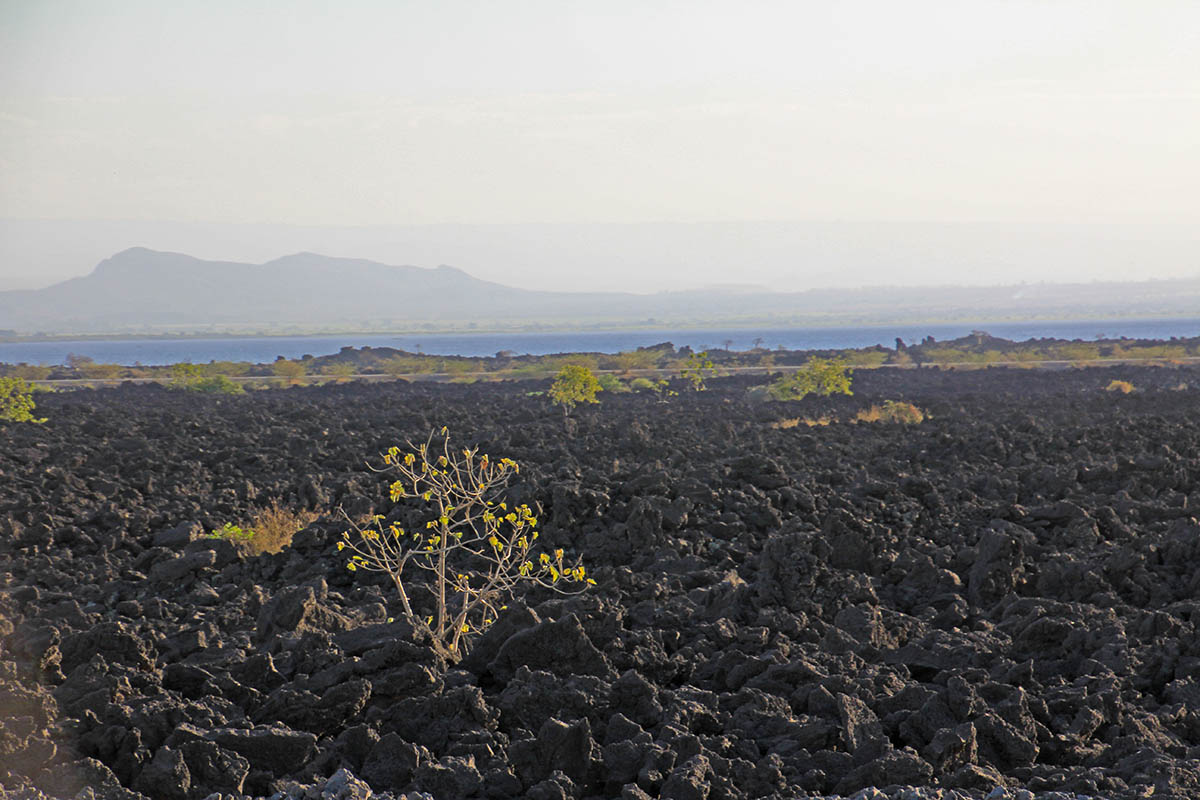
(551, 111)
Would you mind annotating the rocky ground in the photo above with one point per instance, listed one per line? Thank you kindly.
(1007, 594)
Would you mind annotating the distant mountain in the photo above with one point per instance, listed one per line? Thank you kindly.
(140, 288)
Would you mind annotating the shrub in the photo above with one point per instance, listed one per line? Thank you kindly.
(341, 371)
(476, 549)
(407, 365)
(635, 359)
(641, 385)
(611, 383)
(696, 369)
(198, 378)
(185, 375)
(234, 369)
(821, 376)
(528, 371)
(16, 401)
(573, 385)
(867, 357)
(460, 371)
(1124, 387)
(34, 372)
(904, 413)
(660, 387)
(270, 531)
(290, 372)
(274, 526)
(892, 411)
(233, 533)
(556, 363)
(1074, 351)
(218, 384)
(102, 371)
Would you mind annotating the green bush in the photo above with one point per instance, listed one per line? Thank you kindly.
(611, 383)
(641, 385)
(233, 533)
(16, 401)
(199, 378)
(218, 384)
(820, 376)
(696, 369)
(573, 385)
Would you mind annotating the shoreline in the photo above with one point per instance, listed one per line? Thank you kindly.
(975, 351)
(758, 324)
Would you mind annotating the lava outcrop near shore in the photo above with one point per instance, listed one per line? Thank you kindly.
(1007, 593)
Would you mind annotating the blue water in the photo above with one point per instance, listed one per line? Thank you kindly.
(260, 349)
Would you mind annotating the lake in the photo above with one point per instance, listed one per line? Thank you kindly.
(261, 349)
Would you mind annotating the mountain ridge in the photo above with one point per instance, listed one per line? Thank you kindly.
(139, 287)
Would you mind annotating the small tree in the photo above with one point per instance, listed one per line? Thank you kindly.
(573, 385)
(631, 360)
(291, 372)
(820, 376)
(16, 401)
(696, 369)
(476, 549)
(77, 362)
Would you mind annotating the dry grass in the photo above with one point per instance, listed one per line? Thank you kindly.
(274, 527)
(872, 414)
(787, 424)
(892, 411)
(1124, 387)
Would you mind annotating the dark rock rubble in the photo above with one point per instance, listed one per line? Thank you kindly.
(1001, 601)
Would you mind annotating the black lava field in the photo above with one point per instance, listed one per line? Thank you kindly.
(1007, 594)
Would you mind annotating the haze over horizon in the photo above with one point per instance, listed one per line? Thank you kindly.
(625, 146)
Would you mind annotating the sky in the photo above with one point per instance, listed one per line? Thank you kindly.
(267, 127)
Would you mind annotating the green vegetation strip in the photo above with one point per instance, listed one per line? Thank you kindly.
(975, 351)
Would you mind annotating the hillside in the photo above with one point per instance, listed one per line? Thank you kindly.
(140, 289)
(146, 287)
